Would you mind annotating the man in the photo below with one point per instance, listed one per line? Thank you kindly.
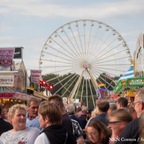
(130, 134)
(122, 102)
(66, 121)
(4, 125)
(103, 106)
(32, 113)
(77, 130)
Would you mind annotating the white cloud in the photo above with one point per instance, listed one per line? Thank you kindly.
(121, 15)
(35, 8)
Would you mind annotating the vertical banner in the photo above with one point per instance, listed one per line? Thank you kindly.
(18, 53)
(6, 56)
(35, 76)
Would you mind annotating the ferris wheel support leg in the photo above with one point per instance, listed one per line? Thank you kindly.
(92, 78)
(93, 81)
(76, 86)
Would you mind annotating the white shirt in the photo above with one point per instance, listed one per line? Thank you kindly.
(42, 139)
(26, 136)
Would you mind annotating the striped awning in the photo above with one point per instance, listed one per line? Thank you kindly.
(128, 74)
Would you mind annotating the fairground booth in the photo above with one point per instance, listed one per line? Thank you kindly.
(14, 80)
(133, 79)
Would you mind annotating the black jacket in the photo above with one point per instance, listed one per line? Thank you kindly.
(130, 134)
(56, 134)
(4, 126)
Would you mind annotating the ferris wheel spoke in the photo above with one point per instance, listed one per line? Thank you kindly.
(93, 41)
(111, 60)
(76, 41)
(105, 82)
(68, 78)
(80, 40)
(72, 79)
(109, 52)
(89, 37)
(111, 69)
(84, 24)
(109, 56)
(71, 53)
(71, 49)
(56, 61)
(101, 50)
(63, 53)
(68, 89)
(82, 91)
(91, 93)
(74, 48)
(59, 81)
(96, 46)
(57, 56)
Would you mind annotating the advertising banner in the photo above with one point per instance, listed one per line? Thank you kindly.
(6, 56)
(35, 76)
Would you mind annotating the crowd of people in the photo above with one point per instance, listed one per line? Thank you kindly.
(53, 122)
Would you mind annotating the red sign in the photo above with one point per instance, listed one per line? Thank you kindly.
(7, 95)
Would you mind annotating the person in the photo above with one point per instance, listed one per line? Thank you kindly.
(130, 134)
(97, 133)
(20, 134)
(122, 102)
(78, 112)
(66, 121)
(50, 118)
(132, 112)
(141, 133)
(83, 116)
(4, 125)
(103, 106)
(94, 113)
(77, 130)
(32, 113)
(118, 119)
(112, 107)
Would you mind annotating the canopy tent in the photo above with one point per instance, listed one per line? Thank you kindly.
(128, 74)
(121, 81)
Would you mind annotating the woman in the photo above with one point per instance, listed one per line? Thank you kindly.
(50, 118)
(97, 133)
(118, 119)
(20, 134)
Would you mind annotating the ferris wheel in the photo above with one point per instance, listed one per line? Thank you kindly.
(82, 54)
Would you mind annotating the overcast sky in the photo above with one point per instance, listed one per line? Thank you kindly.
(28, 23)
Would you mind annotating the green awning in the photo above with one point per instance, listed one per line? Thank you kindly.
(128, 83)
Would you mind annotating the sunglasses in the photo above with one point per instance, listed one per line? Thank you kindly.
(114, 122)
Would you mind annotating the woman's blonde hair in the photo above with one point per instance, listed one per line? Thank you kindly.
(95, 112)
(13, 109)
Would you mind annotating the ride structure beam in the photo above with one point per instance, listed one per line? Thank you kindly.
(76, 86)
(92, 78)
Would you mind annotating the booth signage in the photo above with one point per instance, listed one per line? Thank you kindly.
(118, 87)
(7, 95)
(7, 80)
(135, 82)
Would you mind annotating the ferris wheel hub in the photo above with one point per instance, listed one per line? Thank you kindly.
(86, 65)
